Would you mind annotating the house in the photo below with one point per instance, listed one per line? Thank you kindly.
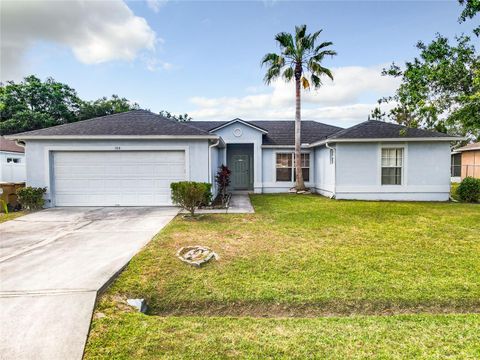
(12, 162)
(130, 159)
(466, 162)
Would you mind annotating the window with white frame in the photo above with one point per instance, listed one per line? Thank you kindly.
(332, 157)
(392, 166)
(285, 167)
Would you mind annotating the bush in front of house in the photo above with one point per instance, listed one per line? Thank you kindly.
(190, 194)
(223, 181)
(31, 198)
(469, 189)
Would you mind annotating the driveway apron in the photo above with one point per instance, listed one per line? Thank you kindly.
(52, 265)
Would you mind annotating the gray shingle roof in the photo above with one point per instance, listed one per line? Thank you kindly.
(373, 129)
(135, 122)
(281, 132)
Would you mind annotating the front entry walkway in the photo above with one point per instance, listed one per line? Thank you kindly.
(52, 265)
(239, 204)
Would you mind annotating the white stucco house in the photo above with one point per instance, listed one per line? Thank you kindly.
(12, 162)
(130, 159)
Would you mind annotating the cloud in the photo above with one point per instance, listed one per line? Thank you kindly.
(95, 31)
(345, 101)
(154, 64)
(156, 5)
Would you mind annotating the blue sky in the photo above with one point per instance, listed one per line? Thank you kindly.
(204, 57)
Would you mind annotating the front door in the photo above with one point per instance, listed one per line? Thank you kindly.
(240, 172)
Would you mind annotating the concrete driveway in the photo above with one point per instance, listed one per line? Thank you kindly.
(53, 263)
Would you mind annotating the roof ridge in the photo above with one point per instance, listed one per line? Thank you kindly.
(81, 121)
(180, 122)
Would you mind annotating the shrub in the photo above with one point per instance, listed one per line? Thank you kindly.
(31, 198)
(189, 194)
(469, 189)
(223, 180)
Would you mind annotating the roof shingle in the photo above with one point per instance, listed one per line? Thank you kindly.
(135, 122)
(374, 129)
(281, 132)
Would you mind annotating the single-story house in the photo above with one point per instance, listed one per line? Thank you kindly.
(12, 162)
(130, 159)
(466, 162)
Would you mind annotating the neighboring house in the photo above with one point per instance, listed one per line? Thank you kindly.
(131, 158)
(12, 161)
(466, 162)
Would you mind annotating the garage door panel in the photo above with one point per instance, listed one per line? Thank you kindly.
(121, 178)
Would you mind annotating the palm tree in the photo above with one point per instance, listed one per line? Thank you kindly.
(300, 59)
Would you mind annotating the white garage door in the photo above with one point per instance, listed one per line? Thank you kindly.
(116, 178)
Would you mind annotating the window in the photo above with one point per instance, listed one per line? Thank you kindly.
(392, 165)
(332, 157)
(285, 168)
(11, 160)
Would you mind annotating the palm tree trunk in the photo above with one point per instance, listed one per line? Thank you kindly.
(298, 141)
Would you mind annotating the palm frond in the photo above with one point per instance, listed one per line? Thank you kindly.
(273, 59)
(300, 32)
(285, 40)
(315, 35)
(323, 45)
(305, 82)
(316, 80)
(288, 74)
(272, 73)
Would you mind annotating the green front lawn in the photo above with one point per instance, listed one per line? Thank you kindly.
(137, 336)
(303, 256)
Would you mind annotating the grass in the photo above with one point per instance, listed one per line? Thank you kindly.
(137, 336)
(10, 216)
(303, 257)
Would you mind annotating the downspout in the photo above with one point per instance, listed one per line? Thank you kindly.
(335, 168)
(210, 160)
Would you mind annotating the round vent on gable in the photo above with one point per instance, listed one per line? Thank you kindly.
(237, 132)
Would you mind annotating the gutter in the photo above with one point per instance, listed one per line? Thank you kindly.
(327, 145)
(109, 137)
(447, 138)
(215, 144)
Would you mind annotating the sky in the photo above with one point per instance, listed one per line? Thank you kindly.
(203, 57)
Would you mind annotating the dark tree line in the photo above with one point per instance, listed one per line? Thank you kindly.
(35, 104)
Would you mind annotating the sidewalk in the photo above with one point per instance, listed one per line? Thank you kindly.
(239, 204)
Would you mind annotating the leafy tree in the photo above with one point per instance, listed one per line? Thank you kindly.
(300, 58)
(169, 115)
(472, 7)
(440, 88)
(33, 104)
(105, 106)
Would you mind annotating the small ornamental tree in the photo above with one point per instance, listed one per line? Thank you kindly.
(223, 180)
(31, 198)
(190, 194)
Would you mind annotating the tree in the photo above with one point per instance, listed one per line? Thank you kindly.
(440, 89)
(300, 59)
(472, 7)
(169, 115)
(105, 106)
(33, 104)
